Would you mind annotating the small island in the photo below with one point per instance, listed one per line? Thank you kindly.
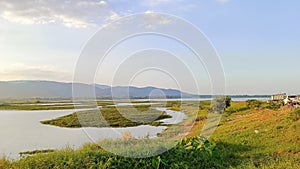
(111, 116)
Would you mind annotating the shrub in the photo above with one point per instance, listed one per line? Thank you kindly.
(273, 106)
(254, 103)
(295, 114)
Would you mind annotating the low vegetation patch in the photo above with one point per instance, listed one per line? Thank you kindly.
(123, 116)
(256, 104)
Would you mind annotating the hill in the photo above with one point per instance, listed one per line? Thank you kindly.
(51, 89)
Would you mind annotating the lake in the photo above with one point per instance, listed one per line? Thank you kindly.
(22, 131)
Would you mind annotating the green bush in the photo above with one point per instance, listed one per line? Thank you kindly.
(273, 106)
(254, 103)
(294, 115)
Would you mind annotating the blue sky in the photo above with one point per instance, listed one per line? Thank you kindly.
(257, 41)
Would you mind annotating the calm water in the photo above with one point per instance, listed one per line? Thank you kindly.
(22, 131)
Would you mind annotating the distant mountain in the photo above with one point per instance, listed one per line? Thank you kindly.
(51, 89)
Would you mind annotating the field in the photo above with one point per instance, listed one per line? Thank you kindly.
(249, 135)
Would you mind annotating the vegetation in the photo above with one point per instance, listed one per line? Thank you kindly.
(295, 114)
(193, 152)
(250, 135)
(262, 104)
(123, 116)
(254, 104)
(273, 106)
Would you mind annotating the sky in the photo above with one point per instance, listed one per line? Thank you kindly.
(257, 42)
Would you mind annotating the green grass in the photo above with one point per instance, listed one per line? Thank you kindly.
(274, 138)
(188, 153)
(123, 116)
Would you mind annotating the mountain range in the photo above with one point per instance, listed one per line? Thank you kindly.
(52, 89)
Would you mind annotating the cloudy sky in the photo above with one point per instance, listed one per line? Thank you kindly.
(257, 41)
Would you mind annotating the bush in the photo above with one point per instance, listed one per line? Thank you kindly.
(254, 103)
(295, 114)
(273, 106)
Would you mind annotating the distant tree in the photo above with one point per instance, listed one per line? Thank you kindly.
(219, 104)
(227, 101)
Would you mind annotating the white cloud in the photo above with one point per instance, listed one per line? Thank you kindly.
(25, 72)
(154, 20)
(75, 13)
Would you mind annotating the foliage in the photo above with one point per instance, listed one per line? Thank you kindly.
(294, 115)
(254, 103)
(273, 105)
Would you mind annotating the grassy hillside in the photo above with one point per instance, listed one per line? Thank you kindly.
(247, 137)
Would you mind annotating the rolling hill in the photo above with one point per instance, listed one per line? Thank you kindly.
(52, 89)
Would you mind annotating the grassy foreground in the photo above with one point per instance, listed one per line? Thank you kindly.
(247, 137)
(188, 153)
